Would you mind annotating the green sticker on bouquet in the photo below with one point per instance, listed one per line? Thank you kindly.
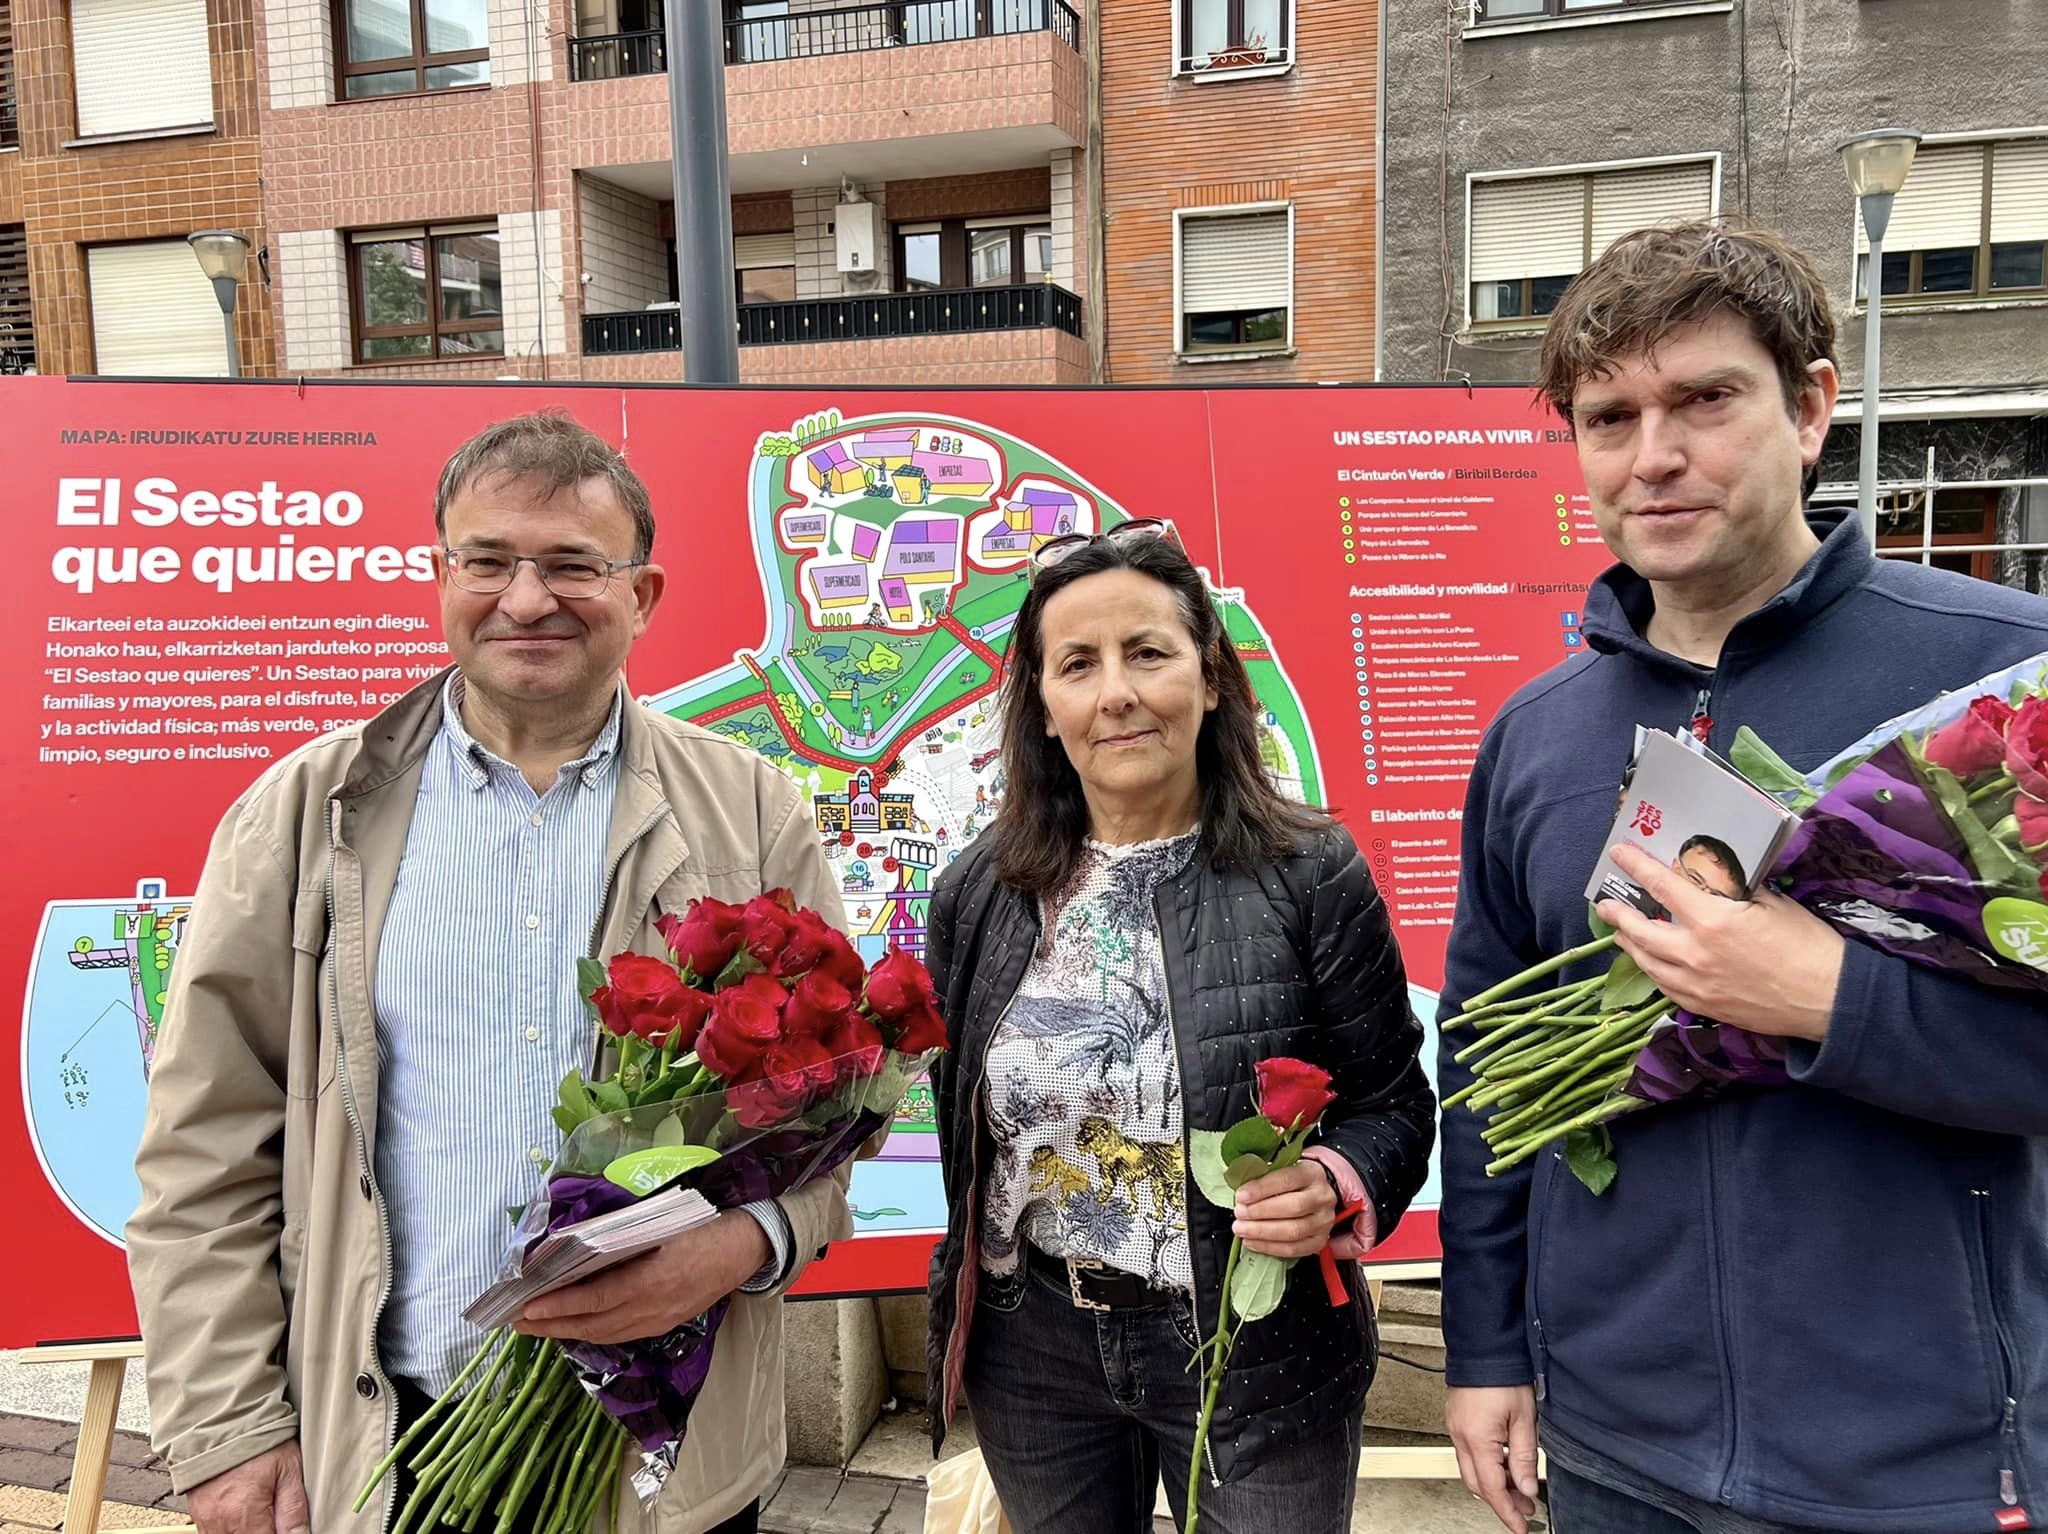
(643, 1171)
(2019, 930)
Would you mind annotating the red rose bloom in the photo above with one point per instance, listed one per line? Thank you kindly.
(899, 986)
(1293, 1093)
(2032, 814)
(644, 996)
(2026, 747)
(705, 938)
(856, 1044)
(765, 926)
(816, 1004)
(815, 944)
(920, 1030)
(1974, 743)
(793, 1075)
(745, 1020)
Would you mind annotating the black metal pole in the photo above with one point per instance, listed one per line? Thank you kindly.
(696, 119)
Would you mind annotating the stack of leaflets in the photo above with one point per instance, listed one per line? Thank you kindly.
(590, 1246)
(1688, 808)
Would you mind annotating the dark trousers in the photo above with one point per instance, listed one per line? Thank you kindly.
(1582, 1506)
(412, 1405)
(1080, 1413)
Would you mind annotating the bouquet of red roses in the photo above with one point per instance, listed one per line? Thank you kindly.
(760, 1055)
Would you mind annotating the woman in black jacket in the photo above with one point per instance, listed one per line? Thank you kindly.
(1148, 918)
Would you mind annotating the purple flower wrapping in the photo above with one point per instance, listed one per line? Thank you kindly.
(649, 1386)
(1877, 857)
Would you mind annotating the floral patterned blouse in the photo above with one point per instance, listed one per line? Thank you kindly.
(1082, 1084)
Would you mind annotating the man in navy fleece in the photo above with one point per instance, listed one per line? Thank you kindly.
(1823, 1306)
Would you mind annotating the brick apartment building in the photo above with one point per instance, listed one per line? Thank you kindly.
(124, 126)
(923, 190)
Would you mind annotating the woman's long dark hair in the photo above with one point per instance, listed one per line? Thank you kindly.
(1043, 822)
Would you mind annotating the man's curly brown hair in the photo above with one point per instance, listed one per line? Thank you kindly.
(1654, 281)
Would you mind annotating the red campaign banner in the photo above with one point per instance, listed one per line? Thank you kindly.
(215, 572)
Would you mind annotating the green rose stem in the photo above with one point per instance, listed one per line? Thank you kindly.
(1522, 1150)
(438, 1409)
(1564, 960)
(2005, 782)
(1219, 1357)
(1472, 1014)
(1625, 1035)
(532, 1398)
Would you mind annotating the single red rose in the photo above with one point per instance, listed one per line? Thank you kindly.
(920, 1030)
(842, 961)
(898, 986)
(856, 1044)
(816, 1005)
(2026, 747)
(1293, 1093)
(705, 937)
(692, 1006)
(800, 1061)
(642, 995)
(743, 1023)
(763, 1103)
(1974, 743)
(2032, 814)
(815, 944)
(765, 927)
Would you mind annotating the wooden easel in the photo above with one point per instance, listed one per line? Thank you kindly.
(96, 1425)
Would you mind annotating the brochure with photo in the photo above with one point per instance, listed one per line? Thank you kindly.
(1694, 813)
(590, 1246)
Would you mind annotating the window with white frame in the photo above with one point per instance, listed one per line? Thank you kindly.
(1971, 222)
(1235, 278)
(154, 314)
(1530, 235)
(1485, 11)
(1221, 35)
(141, 66)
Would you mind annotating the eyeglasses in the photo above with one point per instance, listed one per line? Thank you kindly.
(1137, 530)
(489, 571)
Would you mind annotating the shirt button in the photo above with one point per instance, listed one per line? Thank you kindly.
(537, 1156)
(532, 1034)
(532, 922)
(536, 820)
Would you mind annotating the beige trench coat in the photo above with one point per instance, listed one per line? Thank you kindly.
(260, 1254)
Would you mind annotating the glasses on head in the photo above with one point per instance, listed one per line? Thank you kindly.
(489, 571)
(1137, 530)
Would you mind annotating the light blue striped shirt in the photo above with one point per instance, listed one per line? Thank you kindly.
(498, 893)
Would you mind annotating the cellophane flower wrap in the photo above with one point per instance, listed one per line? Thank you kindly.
(760, 1055)
(1927, 839)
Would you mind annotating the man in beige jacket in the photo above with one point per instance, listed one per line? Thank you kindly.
(375, 1002)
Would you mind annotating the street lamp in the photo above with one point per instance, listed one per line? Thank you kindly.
(223, 256)
(1876, 163)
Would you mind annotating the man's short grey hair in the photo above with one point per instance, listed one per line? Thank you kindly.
(555, 452)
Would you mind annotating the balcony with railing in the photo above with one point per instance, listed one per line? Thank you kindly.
(934, 329)
(754, 38)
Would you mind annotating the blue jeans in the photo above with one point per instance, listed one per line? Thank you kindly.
(1079, 1412)
(1580, 1506)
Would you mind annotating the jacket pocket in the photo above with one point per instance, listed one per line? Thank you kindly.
(310, 1071)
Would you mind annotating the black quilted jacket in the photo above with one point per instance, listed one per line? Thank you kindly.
(1292, 958)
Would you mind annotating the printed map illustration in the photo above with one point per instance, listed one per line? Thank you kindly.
(892, 553)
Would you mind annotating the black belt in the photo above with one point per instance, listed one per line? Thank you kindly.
(1094, 1285)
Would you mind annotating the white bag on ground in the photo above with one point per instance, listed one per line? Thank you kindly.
(960, 1498)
